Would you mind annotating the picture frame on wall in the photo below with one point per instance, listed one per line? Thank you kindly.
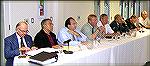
(41, 10)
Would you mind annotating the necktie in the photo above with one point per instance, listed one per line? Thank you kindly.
(92, 30)
(22, 44)
(73, 38)
(51, 40)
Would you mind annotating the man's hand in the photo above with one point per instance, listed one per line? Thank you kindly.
(148, 27)
(34, 48)
(56, 46)
(24, 48)
(94, 35)
(87, 44)
(102, 29)
(138, 28)
(74, 33)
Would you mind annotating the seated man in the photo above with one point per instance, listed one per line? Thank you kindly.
(45, 37)
(70, 32)
(107, 31)
(144, 20)
(118, 25)
(90, 29)
(132, 22)
(17, 42)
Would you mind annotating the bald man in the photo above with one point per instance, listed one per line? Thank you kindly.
(12, 43)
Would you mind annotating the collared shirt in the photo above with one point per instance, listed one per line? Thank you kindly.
(19, 40)
(87, 30)
(107, 27)
(145, 22)
(64, 35)
(51, 40)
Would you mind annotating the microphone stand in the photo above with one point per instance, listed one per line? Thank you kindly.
(65, 51)
(142, 28)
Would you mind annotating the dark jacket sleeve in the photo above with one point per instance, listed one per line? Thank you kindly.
(126, 28)
(128, 23)
(39, 41)
(114, 26)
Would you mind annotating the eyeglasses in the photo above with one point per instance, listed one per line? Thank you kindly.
(24, 31)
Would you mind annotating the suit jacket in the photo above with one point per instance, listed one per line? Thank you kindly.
(11, 47)
(129, 24)
(41, 39)
(121, 28)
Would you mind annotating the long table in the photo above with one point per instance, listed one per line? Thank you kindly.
(125, 51)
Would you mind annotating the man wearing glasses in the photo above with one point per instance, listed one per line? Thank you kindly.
(17, 42)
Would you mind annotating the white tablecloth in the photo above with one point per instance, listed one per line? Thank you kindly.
(129, 50)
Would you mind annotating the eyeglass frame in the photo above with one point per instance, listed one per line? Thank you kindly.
(27, 31)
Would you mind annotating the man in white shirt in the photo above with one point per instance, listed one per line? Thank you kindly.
(104, 25)
(107, 28)
(70, 32)
(144, 20)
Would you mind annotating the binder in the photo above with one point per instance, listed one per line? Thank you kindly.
(43, 58)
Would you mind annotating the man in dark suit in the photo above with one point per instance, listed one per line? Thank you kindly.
(119, 25)
(131, 22)
(12, 43)
(45, 37)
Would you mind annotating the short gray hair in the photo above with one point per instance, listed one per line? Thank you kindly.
(44, 21)
(21, 23)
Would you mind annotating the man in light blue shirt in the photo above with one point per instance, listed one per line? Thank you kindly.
(70, 32)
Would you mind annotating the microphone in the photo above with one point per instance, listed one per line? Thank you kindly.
(67, 52)
(142, 25)
(67, 41)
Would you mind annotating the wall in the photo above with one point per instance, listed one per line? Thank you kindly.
(16, 11)
(79, 10)
(65, 9)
